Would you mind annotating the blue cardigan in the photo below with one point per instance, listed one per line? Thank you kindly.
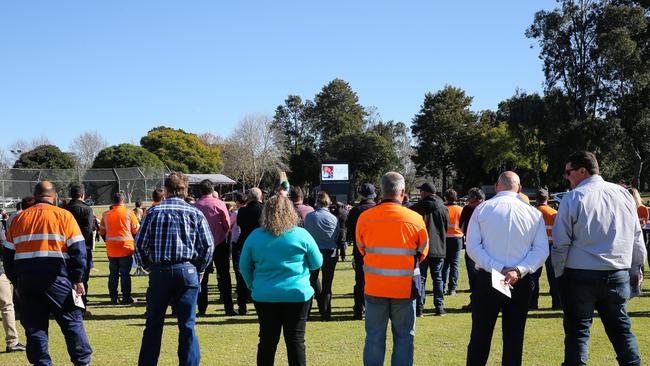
(276, 268)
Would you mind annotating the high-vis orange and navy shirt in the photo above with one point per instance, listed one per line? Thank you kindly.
(45, 241)
(390, 237)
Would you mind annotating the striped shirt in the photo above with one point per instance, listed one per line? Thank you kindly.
(174, 232)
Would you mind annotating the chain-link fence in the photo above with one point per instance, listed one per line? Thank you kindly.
(135, 183)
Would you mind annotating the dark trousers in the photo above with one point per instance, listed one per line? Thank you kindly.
(86, 278)
(552, 282)
(435, 264)
(584, 291)
(323, 294)
(533, 303)
(450, 265)
(221, 260)
(486, 305)
(177, 284)
(472, 272)
(359, 284)
(291, 319)
(35, 318)
(243, 293)
(120, 268)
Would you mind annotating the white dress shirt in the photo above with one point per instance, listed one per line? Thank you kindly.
(505, 232)
(597, 228)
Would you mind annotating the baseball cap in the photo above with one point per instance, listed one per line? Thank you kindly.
(427, 187)
(367, 190)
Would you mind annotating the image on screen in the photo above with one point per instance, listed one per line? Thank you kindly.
(331, 172)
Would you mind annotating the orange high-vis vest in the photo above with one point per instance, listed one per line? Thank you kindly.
(453, 227)
(42, 231)
(549, 219)
(390, 236)
(119, 225)
(642, 211)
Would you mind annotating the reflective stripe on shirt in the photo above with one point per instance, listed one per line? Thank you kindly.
(391, 251)
(388, 272)
(31, 237)
(42, 254)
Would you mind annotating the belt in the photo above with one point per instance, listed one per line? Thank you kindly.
(167, 264)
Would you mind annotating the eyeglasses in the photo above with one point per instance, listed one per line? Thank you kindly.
(568, 171)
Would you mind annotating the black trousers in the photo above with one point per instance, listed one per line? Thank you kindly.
(243, 293)
(359, 284)
(472, 272)
(291, 319)
(323, 294)
(221, 260)
(486, 305)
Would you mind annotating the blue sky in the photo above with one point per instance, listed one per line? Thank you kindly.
(124, 67)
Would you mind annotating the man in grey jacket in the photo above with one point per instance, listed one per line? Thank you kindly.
(436, 217)
(597, 255)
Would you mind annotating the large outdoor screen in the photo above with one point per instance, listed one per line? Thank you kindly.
(334, 172)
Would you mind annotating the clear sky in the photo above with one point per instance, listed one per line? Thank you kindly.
(123, 67)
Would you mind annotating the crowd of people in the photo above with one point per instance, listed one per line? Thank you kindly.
(284, 253)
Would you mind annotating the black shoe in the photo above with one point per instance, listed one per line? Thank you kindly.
(419, 312)
(16, 348)
(230, 312)
(128, 301)
(467, 307)
(114, 301)
(440, 312)
(242, 310)
(357, 317)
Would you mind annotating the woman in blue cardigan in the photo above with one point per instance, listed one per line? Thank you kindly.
(275, 264)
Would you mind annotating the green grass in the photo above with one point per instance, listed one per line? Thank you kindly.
(115, 331)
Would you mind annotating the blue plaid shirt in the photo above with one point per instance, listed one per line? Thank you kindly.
(172, 232)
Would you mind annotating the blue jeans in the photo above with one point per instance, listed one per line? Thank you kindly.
(450, 265)
(435, 264)
(401, 313)
(606, 291)
(178, 284)
(119, 267)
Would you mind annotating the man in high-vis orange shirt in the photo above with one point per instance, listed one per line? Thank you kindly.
(549, 214)
(45, 256)
(454, 243)
(393, 241)
(117, 228)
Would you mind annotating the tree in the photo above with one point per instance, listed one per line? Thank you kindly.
(126, 156)
(182, 151)
(398, 135)
(437, 128)
(45, 157)
(253, 150)
(336, 112)
(86, 147)
(292, 120)
(499, 148)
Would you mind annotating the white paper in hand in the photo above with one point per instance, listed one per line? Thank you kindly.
(499, 284)
(78, 302)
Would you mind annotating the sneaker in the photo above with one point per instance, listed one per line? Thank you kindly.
(440, 312)
(452, 293)
(419, 312)
(16, 348)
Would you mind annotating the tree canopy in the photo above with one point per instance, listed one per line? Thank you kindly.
(126, 156)
(45, 157)
(183, 151)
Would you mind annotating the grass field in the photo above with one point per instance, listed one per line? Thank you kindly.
(115, 331)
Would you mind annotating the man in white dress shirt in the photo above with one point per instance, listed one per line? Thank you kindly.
(509, 236)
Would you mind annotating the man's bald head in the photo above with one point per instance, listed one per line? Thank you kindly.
(508, 181)
(45, 189)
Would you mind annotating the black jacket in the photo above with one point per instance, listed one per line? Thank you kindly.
(436, 217)
(83, 214)
(351, 222)
(248, 219)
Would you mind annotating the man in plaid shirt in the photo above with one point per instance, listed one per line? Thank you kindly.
(175, 245)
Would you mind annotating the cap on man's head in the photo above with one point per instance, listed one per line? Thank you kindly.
(542, 195)
(427, 187)
(367, 190)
